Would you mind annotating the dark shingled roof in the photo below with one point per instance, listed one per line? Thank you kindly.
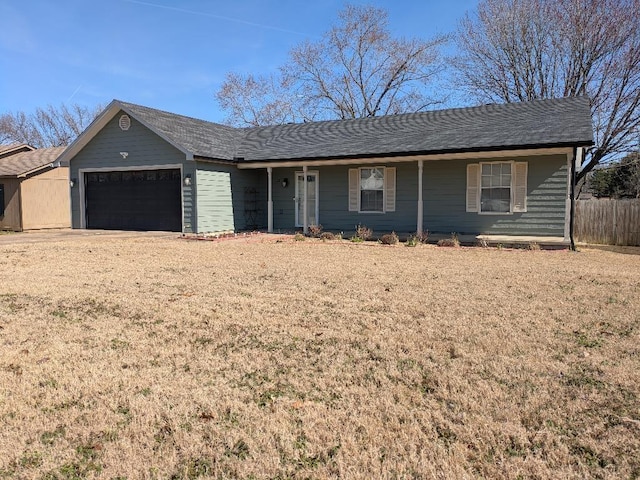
(199, 137)
(24, 162)
(555, 122)
(540, 123)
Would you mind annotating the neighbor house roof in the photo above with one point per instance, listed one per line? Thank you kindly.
(24, 163)
(541, 123)
(13, 148)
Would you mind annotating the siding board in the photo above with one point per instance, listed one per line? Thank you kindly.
(45, 200)
(229, 199)
(10, 220)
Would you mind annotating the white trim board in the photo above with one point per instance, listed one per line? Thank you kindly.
(407, 158)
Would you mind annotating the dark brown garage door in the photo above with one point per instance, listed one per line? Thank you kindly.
(134, 200)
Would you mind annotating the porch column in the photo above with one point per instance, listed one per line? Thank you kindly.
(305, 222)
(270, 200)
(420, 203)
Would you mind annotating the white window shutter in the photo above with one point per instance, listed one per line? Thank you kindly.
(354, 187)
(520, 187)
(390, 189)
(473, 180)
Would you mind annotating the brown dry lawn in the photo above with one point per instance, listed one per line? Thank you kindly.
(166, 358)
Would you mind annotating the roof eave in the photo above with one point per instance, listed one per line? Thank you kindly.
(262, 163)
(46, 166)
(201, 158)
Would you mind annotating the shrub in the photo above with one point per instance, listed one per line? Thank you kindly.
(482, 243)
(389, 238)
(417, 238)
(315, 231)
(423, 236)
(299, 237)
(449, 242)
(363, 233)
(533, 246)
(327, 236)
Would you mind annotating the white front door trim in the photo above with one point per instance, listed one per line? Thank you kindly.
(299, 198)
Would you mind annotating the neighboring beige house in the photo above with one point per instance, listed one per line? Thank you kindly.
(34, 188)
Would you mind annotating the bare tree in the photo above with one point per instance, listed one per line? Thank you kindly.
(356, 70)
(255, 101)
(518, 50)
(47, 127)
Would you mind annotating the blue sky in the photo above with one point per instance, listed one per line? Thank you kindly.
(171, 55)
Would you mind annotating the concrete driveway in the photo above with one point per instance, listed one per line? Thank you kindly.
(37, 236)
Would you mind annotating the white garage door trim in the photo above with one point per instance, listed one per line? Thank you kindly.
(83, 171)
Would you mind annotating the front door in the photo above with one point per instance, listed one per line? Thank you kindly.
(312, 198)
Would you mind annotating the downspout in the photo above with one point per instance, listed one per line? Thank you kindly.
(572, 198)
(420, 200)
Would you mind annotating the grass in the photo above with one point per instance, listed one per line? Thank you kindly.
(164, 358)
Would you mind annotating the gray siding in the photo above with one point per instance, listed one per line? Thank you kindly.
(445, 199)
(145, 149)
(333, 195)
(444, 195)
(230, 199)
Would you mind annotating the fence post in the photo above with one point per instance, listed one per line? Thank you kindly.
(615, 222)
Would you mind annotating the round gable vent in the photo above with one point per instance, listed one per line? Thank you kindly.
(125, 122)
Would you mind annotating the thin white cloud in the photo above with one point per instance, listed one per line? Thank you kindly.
(219, 17)
(75, 92)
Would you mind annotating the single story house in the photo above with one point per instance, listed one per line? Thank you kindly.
(493, 170)
(34, 188)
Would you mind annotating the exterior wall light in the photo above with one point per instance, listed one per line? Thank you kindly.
(187, 180)
(285, 182)
(73, 182)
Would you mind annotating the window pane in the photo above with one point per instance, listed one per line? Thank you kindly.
(371, 200)
(506, 168)
(486, 169)
(495, 200)
(371, 179)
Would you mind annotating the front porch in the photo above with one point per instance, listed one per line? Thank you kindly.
(408, 195)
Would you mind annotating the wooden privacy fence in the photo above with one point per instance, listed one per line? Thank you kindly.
(608, 221)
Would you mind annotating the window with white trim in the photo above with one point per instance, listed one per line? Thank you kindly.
(372, 189)
(497, 187)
